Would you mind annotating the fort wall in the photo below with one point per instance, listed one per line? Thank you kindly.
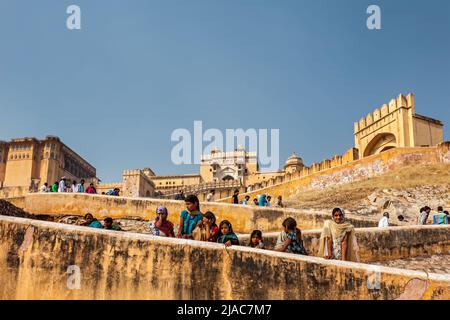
(371, 166)
(377, 244)
(35, 257)
(244, 218)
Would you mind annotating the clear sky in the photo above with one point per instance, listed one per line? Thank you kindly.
(137, 70)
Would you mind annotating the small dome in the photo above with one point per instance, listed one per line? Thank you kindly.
(293, 160)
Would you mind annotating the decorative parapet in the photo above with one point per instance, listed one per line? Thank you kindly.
(385, 110)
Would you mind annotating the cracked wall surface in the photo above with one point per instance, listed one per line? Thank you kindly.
(36, 255)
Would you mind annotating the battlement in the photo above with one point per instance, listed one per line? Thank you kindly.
(133, 172)
(387, 109)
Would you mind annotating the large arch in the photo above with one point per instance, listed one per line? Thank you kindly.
(380, 143)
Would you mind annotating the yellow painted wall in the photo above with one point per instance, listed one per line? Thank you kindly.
(377, 244)
(35, 257)
(243, 218)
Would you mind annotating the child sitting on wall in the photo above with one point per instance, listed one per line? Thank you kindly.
(91, 222)
(290, 240)
(226, 234)
(110, 225)
(190, 218)
(161, 226)
(208, 229)
(256, 240)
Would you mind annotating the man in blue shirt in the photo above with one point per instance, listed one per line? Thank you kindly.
(440, 217)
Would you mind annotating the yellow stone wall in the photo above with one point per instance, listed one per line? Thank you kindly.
(427, 132)
(136, 184)
(35, 257)
(396, 125)
(316, 178)
(176, 181)
(105, 187)
(244, 219)
(376, 244)
(259, 177)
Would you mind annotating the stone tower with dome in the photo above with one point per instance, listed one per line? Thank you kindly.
(293, 164)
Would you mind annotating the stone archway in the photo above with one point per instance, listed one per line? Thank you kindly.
(380, 143)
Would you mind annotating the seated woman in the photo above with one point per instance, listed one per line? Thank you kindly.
(262, 202)
(338, 240)
(161, 226)
(226, 234)
(208, 229)
(91, 222)
(290, 240)
(189, 218)
(256, 240)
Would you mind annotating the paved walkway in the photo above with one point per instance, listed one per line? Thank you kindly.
(432, 264)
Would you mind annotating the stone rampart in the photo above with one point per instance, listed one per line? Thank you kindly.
(39, 260)
(377, 244)
(244, 218)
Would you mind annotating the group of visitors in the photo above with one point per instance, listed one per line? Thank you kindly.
(440, 217)
(193, 224)
(108, 223)
(263, 200)
(75, 187)
(337, 241)
(63, 186)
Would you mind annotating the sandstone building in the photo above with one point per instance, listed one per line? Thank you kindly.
(27, 163)
(396, 125)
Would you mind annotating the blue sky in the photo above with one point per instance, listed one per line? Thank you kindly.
(115, 90)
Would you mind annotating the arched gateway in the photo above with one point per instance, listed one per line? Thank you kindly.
(396, 125)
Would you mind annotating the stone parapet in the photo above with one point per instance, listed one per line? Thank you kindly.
(35, 258)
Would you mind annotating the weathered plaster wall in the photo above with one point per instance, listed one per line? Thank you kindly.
(381, 244)
(35, 256)
(244, 218)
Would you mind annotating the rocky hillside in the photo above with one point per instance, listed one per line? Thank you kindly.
(403, 191)
(8, 209)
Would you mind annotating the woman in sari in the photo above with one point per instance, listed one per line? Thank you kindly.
(338, 240)
(262, 201)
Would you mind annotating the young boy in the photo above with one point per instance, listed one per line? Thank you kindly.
(110, 225)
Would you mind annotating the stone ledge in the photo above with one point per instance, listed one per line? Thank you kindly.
(35, 255)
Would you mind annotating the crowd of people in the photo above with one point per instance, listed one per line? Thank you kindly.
(337, 240)
(440, 217)
(75, 187)
(262, 200)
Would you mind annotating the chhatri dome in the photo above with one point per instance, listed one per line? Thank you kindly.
(293, 163)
